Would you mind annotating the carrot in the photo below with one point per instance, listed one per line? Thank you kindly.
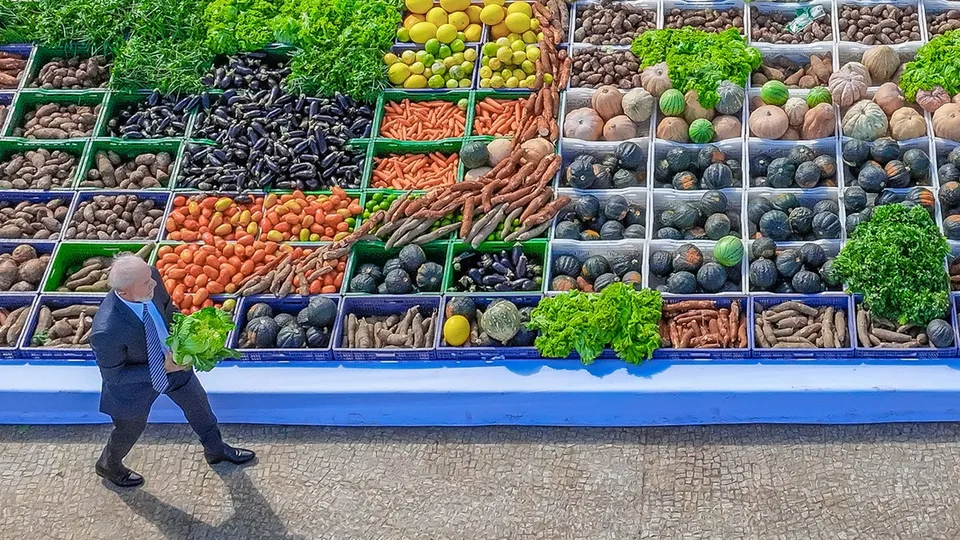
(498, 117)
(415, 171)
(422, 121)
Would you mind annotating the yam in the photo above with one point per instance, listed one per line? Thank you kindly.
(23, 253)
(32, 271)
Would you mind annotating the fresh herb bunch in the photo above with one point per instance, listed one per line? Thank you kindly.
(99, 24)
(625, 318)
(936, 63)
(896, 260)
(168, 65)
(698, 60)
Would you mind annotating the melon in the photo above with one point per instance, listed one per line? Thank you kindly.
(672, 102)
(774, 93)
(701, 131)
(728, 251)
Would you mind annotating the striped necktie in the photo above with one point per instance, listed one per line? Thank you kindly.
(158, 372)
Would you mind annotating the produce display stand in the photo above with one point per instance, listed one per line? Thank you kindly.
(443, 385)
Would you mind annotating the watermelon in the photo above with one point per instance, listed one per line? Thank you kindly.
(728, 251)
(818, 95)
(774, 93)
(701, 131)
(672, 102)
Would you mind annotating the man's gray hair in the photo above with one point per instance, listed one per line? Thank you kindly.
(123, 270)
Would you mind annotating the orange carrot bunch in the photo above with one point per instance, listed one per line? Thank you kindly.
(309, 218)
(204, 217)
(422, 120)
(415, 171)
(498, 117)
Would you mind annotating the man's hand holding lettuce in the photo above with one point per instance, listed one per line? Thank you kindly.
(200, 340)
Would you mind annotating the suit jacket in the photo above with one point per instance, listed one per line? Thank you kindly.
(120, 345)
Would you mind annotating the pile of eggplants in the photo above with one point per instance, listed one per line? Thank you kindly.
(507, 271)
(158, 116)
(249, 71)
(275, 139)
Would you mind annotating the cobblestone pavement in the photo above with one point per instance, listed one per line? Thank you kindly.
(763, 482)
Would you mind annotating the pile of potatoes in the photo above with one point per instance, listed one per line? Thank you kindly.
(116, 217)
(12, 323)
(22, 269)
(38, 169)
(37, 221)
(68, 327)
(408, 330)
(141, 172)
(76, 73)
(58, 121)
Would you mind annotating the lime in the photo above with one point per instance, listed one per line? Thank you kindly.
(445, 51)
(462, 104)
(520, 74)
(398, 73)
(446, 33)
(449, 62)
(513, 36)
(503, 42)
(456, 72)
(495, 64)
(496, 81)
(456, 331)
(390, 59)
(457, 46)
(438, 68)
(486, 72)
(427, 73)
(529, 37)
(519, 57)
(432, 46)
(229, 304)
(467, 67)
(490, 49)
(408, 57)
(470, 55)
(435, 81)
(484, 83)
(533, 53)
(506, 74)
(505, 55)
(421, 56)
(534, 24)
(465, 83)
(485, 61)
(461, 35)
(528, 67)
(403, 34)
(512, 82)
(547, 78)
(452, 83)
(417, 68)
(457, 57)
(518, 45)
(428, 59)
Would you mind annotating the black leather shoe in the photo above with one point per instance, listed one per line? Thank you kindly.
(237, 456)
(122, 477)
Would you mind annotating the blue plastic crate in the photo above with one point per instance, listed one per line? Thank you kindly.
(384, 305)
(15, 197)
(291, 305)
(163, 199)
(12, 302)
(447, 352)
(42, 248)
(790, 354)
(906, 354)
(55, 302)
(700, 355)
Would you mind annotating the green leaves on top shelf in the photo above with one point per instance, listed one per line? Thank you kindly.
(937, 64)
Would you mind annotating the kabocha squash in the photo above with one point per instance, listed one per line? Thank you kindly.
(807, 175)
(865, 121)
(948, 172)
(687, 257)
(847, 87)
(713, 202)
(807, 282)
(780, 173)
(474, 154)
(363, 283)
(763, 248)
(259, 309)
(501, 320)
(461, 305)
(933, 99)
(906, 123)
(951, 227)
(673, 129)
(320, 311)
(580, 173)
(774, 225)
(429, 276)
(672, 103)
(789, 262)
(884, 150)
(567, 230)
(317, 338)
(679, 159)
(800, 220)
(946, 122)
(638, 104)
(881, 62)
(625, 178)
(661, 263)
(567, 265)
(655, 79)
(604, 281)
(826, 226)
(731, 98)
(756, 208)
(635, 231)
(587, 208)
(813, 255)
(593, 267)
(800, 153)
(261, 332)
(685, 216)
(854, 199)
(630, 156)
(940, 333)
(584, 124)
(710, 155)
(818, 95)
(829, 276)
(682, 282)
(616, 207)
(889, 97)
(619, 128)
(796, 108)
(398, 282)
(827, 165)
(918, 163)
(612, 230)
(291, 336)
(563, 283)
(635, 279)
(411, 257)
(728, 251)
(768, 122)
(717, 226)
(774, 93)
(922, 197)
(818, 122)
(763, 274)
(726, 127)
(711, 277)
(700, 131)
(692, 109)
(607, 101)
(897, 174)
(785, 201)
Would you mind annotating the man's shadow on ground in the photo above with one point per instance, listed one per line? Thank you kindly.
(252, 515)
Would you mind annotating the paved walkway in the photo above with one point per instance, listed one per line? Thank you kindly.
(756, 482)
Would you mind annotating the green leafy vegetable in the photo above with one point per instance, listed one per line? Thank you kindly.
(169, 65)
(897, 261)
(698, 60)
(936, 63)
(199, 340)
(619, 315)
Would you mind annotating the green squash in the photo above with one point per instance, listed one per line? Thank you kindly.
(717, 226)
(259, 310)
(567, 265)
(661, 263)
(363, 283)
(807, 282)
(682, 282)
(501, 320)
(461, 305)
(763, 274)
(687, 257)
(940, 333)
(474, 154)
(320, 311)
(711, 277)
(398, 282)
(291, 336)
(429, 277)
(731, 98)
(594, 267)
(411, 257)
(261, 332)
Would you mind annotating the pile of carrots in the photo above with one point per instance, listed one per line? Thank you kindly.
(308, 218)
(422, 120)
(415, 171)
(498, 117)
(192, 273)
(205, 217)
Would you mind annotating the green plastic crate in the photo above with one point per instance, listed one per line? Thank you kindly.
(385, 147)
(129, 149)
(116, 100)
(29, 99)
(43, 55)
(374, 252)
(480, 95)
(69, 254)
(536, 251)
(452, 96)
(75, 147)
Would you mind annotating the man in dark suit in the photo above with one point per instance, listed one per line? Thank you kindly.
(129, 340)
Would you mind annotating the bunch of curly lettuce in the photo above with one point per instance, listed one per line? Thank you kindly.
(937, 64)
(896, 260)
(626, 319)
(698, 60)
(200, 339)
